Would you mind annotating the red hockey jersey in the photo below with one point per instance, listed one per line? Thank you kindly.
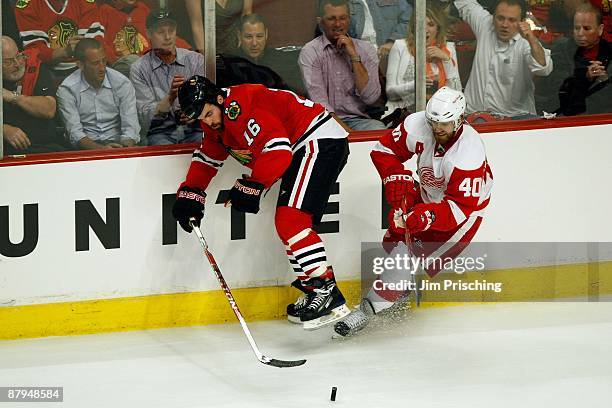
(262, 129)
(126, 32)
(455, 178)
(46, 29)
(606, 16)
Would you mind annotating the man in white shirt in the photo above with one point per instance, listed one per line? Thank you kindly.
(97, 103)
(507, 57)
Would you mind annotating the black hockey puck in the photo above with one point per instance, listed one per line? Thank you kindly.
(333, 394)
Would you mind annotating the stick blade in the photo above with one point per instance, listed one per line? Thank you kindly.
(283, 363)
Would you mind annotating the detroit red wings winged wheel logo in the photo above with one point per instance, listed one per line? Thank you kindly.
(233, 110)
(428, 178)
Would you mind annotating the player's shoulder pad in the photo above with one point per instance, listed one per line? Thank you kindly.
(238, 102)
(416, 126)
(470, 152)
(243, 89)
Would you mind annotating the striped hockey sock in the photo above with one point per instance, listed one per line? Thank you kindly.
(308, 252)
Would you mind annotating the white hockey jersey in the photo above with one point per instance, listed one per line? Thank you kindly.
(455, 178)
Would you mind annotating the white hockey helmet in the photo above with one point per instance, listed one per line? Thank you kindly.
(446, 105)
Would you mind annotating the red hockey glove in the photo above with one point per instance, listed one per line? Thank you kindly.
(419, 219)
(245, 195)
(391, 240)
(189, 203)
(400, 186)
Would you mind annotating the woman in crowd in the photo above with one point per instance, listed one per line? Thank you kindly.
(441, 66)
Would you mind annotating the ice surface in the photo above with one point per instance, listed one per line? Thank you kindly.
(503, 355)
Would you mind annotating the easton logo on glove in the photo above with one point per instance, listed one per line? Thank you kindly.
(247, 190)
(189, 204)
(398, 177)
(400, 189)
(245, 195)
(191, 196)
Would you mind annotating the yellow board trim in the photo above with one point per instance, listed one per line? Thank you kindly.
(588, 281)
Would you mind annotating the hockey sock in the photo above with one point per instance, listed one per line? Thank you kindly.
(303, 244)
(297, 268)
(294, 263)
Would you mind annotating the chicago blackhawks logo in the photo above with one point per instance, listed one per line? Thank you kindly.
(244, 157)
(60, 33)
(129, 41)
(233, 111)
(22, 3)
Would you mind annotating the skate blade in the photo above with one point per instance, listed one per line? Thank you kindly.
(386, 321)
(336, 314)
(294, 319)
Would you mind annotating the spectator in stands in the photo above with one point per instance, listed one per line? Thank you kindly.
(550, 19)
(341, 72)
(558, 18)
(604, 7)
(252, 42)
(227, 19)
(157, 76)
(441, 66)
(380, 23)
(98, 104)
(125, 36)
(54, 27)
(28, 101)
(507, 57)
(588, 90)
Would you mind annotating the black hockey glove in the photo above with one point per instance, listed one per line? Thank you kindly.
(189, 203)
(245, 195)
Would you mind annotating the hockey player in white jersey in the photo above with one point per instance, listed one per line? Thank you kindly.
(439, 216)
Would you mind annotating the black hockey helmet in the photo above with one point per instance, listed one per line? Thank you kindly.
(196, 92)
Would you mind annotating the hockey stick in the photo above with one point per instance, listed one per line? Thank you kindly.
(228, 294)
(413, 274)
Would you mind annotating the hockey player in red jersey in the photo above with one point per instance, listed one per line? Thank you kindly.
(278, 135)
(440, 216)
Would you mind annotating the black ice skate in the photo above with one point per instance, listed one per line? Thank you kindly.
(326, 307)
(356, 320)
(295, 310)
